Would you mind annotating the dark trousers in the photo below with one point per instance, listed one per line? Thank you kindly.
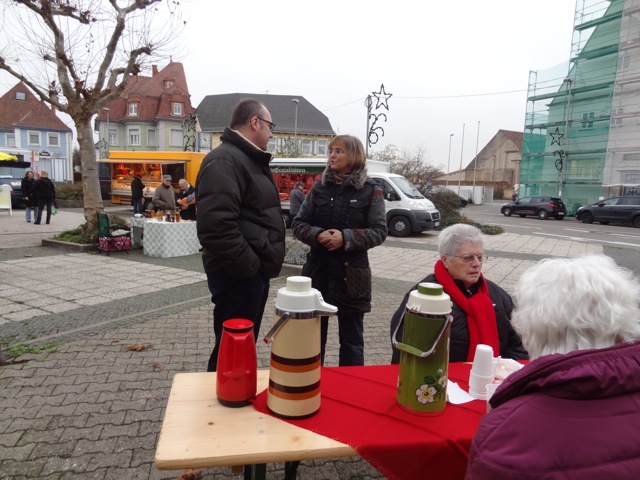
(235, 298)
(137, 205)
(41, 205)
(351, 335)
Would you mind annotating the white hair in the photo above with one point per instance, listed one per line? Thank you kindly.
(567, 304)
(453, 237)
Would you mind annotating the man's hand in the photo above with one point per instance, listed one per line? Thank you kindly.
(331, 239)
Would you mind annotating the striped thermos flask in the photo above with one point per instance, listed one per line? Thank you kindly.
(294, 375)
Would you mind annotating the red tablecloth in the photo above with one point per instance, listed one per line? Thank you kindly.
(359, 408)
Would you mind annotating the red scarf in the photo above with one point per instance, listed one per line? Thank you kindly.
(480, 311)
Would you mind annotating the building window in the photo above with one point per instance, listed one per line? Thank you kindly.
(133, 109)
(322, 147)
(34, 138)
(152, 137)
(616, 117)
(177, 108)
(624, 62)
(53, 139)
(113, 136)
(176, 138)
(271, 146)
(134, 136)
(11, 140)
(306, 147)
(587, 120)
(21, 96)
(168, 84)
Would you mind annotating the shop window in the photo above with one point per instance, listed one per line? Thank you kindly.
(53, 139)
(177, 108)
(177, 138)
(34, 138)
(133, 109)
(134, 136)
(11, 140)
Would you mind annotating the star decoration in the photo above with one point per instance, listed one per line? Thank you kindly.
(556, 137)
(382, 97)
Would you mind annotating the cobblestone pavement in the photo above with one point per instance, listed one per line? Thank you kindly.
(91, 409)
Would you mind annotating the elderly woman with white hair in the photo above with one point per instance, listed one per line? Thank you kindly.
(574, 411)
(481, 309)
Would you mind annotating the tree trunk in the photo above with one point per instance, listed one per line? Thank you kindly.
(90, 181)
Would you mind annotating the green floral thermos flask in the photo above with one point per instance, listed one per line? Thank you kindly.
(424, 351)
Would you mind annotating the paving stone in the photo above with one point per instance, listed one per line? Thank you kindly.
(73, 464)
(45, 450)
(19, 452)
(73, 433)
(10, 439)
(14, 469)
(112, 418)
(84, 446)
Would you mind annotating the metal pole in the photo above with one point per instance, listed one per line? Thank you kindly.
(461, 150)
(295, 126)
(449, 159)
(107, 139)
(475, 165)
(368, 102)
(566, 138)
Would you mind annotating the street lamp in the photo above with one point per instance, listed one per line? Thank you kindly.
(295, 125)
(449, 159)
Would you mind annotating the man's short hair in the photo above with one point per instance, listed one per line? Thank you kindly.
(244, 111)
(299, 184)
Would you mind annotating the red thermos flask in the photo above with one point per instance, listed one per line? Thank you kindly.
(236, 382)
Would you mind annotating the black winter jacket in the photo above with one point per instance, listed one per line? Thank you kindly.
(356, 208)
(27, 187)
(43, 189)
(510, 343)
(240, 225)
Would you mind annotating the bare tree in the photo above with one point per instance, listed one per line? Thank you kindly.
(414, 165)
(77, 55)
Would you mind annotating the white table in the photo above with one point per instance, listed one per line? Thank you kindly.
(168, 239)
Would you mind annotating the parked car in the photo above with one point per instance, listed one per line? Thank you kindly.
(11, 173)
(541, 207)
(616, 210)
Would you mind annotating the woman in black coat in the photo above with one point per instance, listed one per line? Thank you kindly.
(30, 200)
(45, 192)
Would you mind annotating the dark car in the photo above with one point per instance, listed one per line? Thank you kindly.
(614, 210)
(11, 173)
(541, 207)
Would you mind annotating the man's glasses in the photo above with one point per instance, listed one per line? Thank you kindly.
(469, 257)
(271, 124)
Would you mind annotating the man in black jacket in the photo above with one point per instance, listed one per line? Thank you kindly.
(239, 221)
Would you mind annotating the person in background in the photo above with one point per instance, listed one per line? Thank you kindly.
(573, 413)
(30, 201)
(341, 218)
(45, 193)
(296, 197)
(137, 194)
(481, 310)
(239, 221)
(187, 207)
(165, 198)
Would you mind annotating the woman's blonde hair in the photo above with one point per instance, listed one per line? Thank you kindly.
(44, 174)
(354, 149)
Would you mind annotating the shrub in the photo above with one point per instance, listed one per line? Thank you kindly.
(498, 194)
(88, 236)
(448, 204)
(69, 191)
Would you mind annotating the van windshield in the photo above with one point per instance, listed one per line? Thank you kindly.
(406, 187)
(13, 172)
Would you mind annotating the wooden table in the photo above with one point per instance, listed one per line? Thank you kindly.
(198, 432)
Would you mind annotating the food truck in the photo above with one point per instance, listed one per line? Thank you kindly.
(151, 166)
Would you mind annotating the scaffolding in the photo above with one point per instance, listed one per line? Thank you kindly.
(582, 135)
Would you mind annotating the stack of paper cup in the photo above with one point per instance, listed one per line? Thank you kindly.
(481, 372)
(491, 389)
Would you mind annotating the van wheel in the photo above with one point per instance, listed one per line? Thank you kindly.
(400, 226)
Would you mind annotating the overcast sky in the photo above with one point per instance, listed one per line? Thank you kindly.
(444, 62)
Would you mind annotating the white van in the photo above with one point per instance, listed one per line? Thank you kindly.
(407, 210)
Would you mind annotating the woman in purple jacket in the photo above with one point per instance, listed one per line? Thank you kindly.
(574, 411)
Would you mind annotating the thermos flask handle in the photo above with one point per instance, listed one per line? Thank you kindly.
(415, 351)
(276, 326)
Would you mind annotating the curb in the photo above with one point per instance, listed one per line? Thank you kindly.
(74, 247)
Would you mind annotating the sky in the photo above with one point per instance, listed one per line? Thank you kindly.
(446, 64)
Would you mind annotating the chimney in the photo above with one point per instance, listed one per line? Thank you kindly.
(154, 70)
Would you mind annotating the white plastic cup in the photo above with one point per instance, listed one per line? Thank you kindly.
(491, 389)
(481, 372)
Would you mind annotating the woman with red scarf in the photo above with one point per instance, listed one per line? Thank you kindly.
(481, 310)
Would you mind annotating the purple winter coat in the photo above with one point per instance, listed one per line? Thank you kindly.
(574, 416)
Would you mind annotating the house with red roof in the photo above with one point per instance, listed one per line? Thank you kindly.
(32, 131)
